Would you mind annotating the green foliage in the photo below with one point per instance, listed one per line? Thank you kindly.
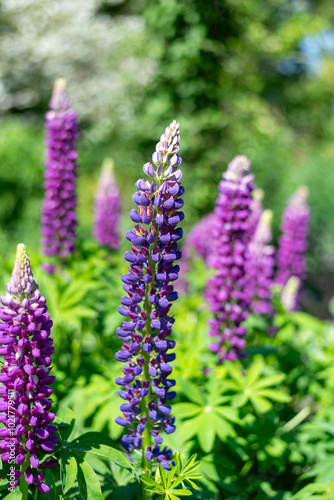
(316, 491)
(167, 484)
(72, 457)
(251, 387)
(208, 415)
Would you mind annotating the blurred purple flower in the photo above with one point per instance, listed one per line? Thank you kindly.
(107, 208)
(291, 257)
(59, 218)
(260, 266)
(25, 402)
(201, 239)
(226, 294)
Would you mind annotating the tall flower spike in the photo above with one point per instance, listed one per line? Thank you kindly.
(150, 292)
(260, 266)
(291, 257)
(226, 294)
(107, 208)
(25, 404)
(59, 219)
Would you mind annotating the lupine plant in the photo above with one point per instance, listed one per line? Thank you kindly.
(226, 294)
(25, 405)
(59, 218)
(148, 284)
(260, 266)
(201, 237)
(291, 257)
(107, 208)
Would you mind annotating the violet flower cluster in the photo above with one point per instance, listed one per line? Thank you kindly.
(201, 238)
(226, 294)
(25, 402)
(59, 219)
(291, 257)
(148, 390)
(260, 266)
(107, 208)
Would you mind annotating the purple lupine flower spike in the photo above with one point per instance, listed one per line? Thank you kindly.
(201, 237)
(226, 294)
(256, 210)
(260, 266)
(107, 208)
(291, 257)
(150, 292)
(59, 218)
(25, 402)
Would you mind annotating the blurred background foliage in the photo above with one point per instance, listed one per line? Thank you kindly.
(241, 77)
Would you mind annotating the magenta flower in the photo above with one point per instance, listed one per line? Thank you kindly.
(107, 208)
(148, 389)
(201, 238)
(260, 266)
(25, 402)
(59, 218)
(291, 257)
(226, 294)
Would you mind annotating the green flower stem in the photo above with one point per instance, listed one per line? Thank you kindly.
(147, 438)
(24, 486)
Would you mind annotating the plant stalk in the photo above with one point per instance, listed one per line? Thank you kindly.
(24, 486)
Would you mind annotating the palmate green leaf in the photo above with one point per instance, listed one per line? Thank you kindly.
(224, 429)
(229, 413)
(171, 476)
(149, 482)
(163, 476)
(101, 445)
(167, 484)
(88, 482)
(275, 379)
(190, 428)
(65, 421)
(68, 470)
(254, 372)
(186, 409)
(192, 484)
(234, 369)
(182, 493)
(316, 491)
(189, 464)
(275, 395)
(207, 431)
(210, 422)
(106, 415)
(75, 292)
(251, 387)
(13, 495)
(260, 404)
(191, 391)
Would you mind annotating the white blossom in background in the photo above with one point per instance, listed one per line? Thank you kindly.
(100, 56)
